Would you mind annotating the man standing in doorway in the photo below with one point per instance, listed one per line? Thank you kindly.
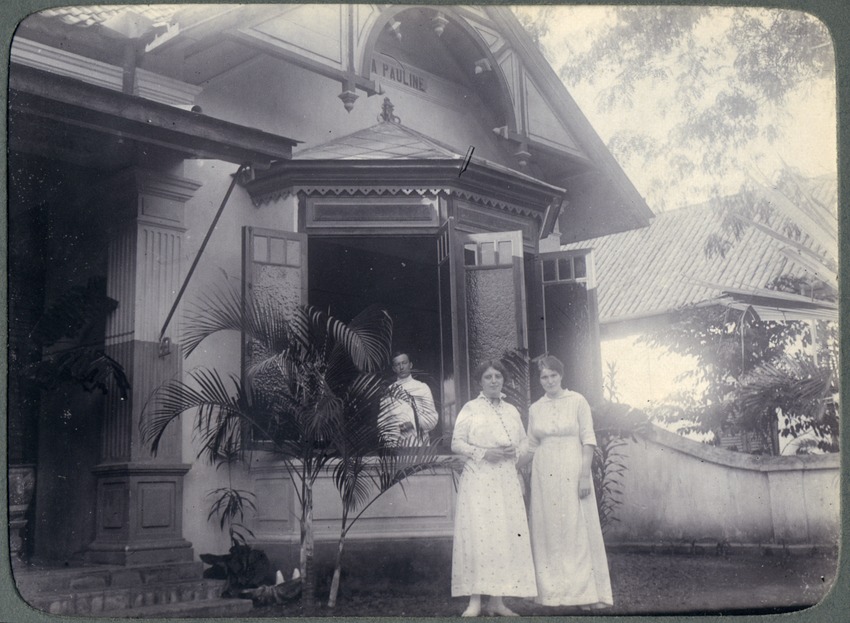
(402, 414)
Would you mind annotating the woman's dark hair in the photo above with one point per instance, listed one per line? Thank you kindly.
(550, 363)
(482, 367)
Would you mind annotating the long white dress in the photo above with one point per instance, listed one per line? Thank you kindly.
(566, 537)
(491, 552)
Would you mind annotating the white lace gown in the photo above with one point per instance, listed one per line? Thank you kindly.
(566, 537)
(492, 551)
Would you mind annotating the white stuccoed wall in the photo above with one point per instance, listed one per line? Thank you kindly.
(676, 489)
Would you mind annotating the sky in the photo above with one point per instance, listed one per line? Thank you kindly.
(808, 119)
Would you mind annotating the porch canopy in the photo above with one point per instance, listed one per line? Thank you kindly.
(87, 124)
(389, 158)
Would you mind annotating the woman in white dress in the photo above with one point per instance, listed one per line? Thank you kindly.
(566, 537)
(492, 552)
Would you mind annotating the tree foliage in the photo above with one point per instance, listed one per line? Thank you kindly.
(726, 344)
(713, 84)
(749, 370)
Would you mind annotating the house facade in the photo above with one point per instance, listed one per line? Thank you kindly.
(426, 159)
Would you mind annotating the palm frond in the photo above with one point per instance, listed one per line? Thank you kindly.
(366, 340)
(518, 388)
(398, 462)
(206, 392)
(230, 504)
(354, 489)
(214, 311)
(260, 318)
(797, 385)
(89, 368)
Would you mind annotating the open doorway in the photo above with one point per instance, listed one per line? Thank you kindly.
(349, 273)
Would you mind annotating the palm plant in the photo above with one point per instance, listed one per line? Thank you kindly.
(229, 505)
(368, 467)
(301, 367)
(801, 390)
(614, 424)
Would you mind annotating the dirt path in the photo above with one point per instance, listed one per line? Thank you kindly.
(642, 584)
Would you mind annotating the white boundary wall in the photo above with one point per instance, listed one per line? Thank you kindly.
(679, 490)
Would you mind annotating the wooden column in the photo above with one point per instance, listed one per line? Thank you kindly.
(139, 496)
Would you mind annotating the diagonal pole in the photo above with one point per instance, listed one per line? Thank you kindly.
(201, 250)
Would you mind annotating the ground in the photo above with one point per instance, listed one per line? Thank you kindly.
(642, 583)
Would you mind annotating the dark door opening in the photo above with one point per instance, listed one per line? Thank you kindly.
(349, 273)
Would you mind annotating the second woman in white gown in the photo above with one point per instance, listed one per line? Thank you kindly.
(569, 553)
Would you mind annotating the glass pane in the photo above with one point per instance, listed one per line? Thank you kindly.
(580, 267)
(549, 271)
(293, 253)
(277, 250)
(469, 255)
(261, 248)
(565, 269)
(505, 252)
(491, 314)
(488, 254)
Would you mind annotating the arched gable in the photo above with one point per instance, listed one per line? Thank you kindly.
(470, 39)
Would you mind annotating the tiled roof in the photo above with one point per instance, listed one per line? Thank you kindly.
(663, 267)
(385, 141)
(97, 14)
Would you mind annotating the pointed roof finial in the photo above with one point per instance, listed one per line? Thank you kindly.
(387, 115)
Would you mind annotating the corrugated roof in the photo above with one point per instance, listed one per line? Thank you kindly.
(663, 267)
(384, 141)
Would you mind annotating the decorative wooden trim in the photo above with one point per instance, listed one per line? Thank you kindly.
(348, 191)
(327, 70)
(378, 212)
(473, 219)
(494, 202)
(493, 189)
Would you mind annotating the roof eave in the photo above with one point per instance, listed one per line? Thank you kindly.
(43, 94)
(433, 173)
(560, 99)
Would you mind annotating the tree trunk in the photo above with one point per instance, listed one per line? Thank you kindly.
(308, 600)
(337, 570)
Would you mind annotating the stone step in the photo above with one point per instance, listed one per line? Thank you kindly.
(211, 608)
(113, 600)
(33, 581)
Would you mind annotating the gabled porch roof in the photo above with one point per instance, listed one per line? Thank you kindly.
(389, 155)
(384, 141)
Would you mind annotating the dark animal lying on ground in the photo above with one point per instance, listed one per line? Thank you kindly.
(244, 567)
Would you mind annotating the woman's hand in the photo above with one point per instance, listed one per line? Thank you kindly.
(502, 453)
(585, 485)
